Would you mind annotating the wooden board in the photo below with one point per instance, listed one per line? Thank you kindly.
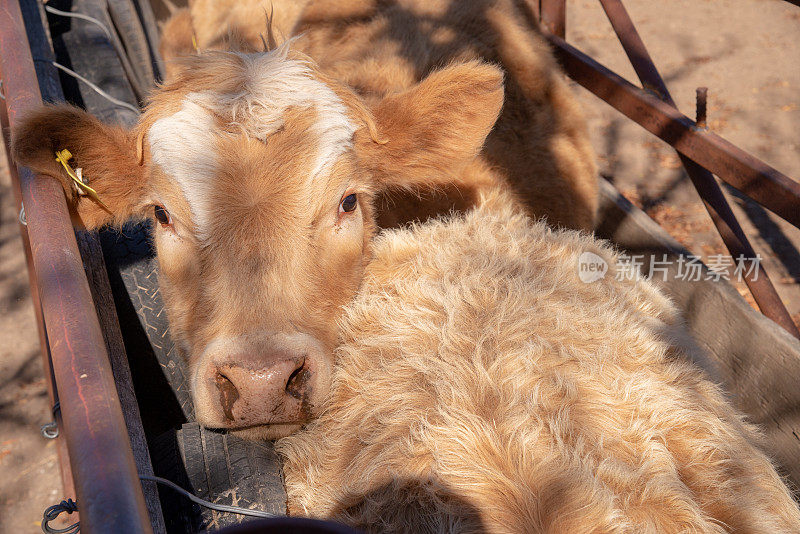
(756, 361)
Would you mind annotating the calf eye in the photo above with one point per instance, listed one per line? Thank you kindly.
(348, 203)
(162, 215)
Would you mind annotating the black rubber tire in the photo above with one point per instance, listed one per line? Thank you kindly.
(220, 468)
(294, 525)
(85, 48)
(150, 27)
(133, 272)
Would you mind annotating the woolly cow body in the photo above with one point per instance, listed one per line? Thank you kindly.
(264, 173)
(482, 387)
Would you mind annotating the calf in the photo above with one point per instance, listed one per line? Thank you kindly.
(262, 173)
(259, 173)
(481, 386)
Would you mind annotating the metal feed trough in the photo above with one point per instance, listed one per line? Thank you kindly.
(120, 418)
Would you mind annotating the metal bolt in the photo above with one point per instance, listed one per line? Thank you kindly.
(702, 109)
(50, 430)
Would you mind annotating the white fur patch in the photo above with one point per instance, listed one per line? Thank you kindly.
(183, 143)
(275, 83)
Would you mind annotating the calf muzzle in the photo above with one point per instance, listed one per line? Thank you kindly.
(263, 386)
(275, 392)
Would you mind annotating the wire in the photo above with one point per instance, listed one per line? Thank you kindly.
(69, 14)
(115, 43)
(96, 88)
(70, 506)
(54, 511)
(207, 504)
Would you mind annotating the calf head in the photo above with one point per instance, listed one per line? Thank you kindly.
(259, 173)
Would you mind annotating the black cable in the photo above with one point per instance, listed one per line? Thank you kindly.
(70, 506)
(54, 511)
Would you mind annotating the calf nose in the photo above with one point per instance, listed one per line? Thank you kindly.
(270, 394)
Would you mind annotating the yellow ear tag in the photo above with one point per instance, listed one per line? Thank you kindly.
(194, 43)
(63, 156)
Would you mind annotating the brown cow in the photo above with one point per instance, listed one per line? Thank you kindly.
(261, 171)
(484, 385)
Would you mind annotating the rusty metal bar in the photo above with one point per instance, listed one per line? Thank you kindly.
(764, 184)
(35, 21)
(67, 484)
(553, 16)
(108, 488)
(719, 210)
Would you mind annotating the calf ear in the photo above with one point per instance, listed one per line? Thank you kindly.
(427, 132)
(107, 155)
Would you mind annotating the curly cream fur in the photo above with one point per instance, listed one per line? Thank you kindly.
(482, 387)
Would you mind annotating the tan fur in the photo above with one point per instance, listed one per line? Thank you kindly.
(539, 149)
(482, 387)
(251, 155)
(177, 40)
(215, 21)
(107, 155)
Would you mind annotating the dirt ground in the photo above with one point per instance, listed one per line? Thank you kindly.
(28, 467)
(745, 51)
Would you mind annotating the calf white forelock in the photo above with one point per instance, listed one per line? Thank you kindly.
(182, 144)
(275, 83)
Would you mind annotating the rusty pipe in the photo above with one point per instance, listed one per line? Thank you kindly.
(764, 184)
(553, 16)
(719, 210)
(107, 485)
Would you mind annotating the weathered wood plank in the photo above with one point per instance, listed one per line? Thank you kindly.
(757, 362)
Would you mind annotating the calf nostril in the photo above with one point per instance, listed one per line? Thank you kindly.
(228, 394)
(296, 385)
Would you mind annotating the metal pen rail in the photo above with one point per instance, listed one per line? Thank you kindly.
(701, 152)
(102, 463)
